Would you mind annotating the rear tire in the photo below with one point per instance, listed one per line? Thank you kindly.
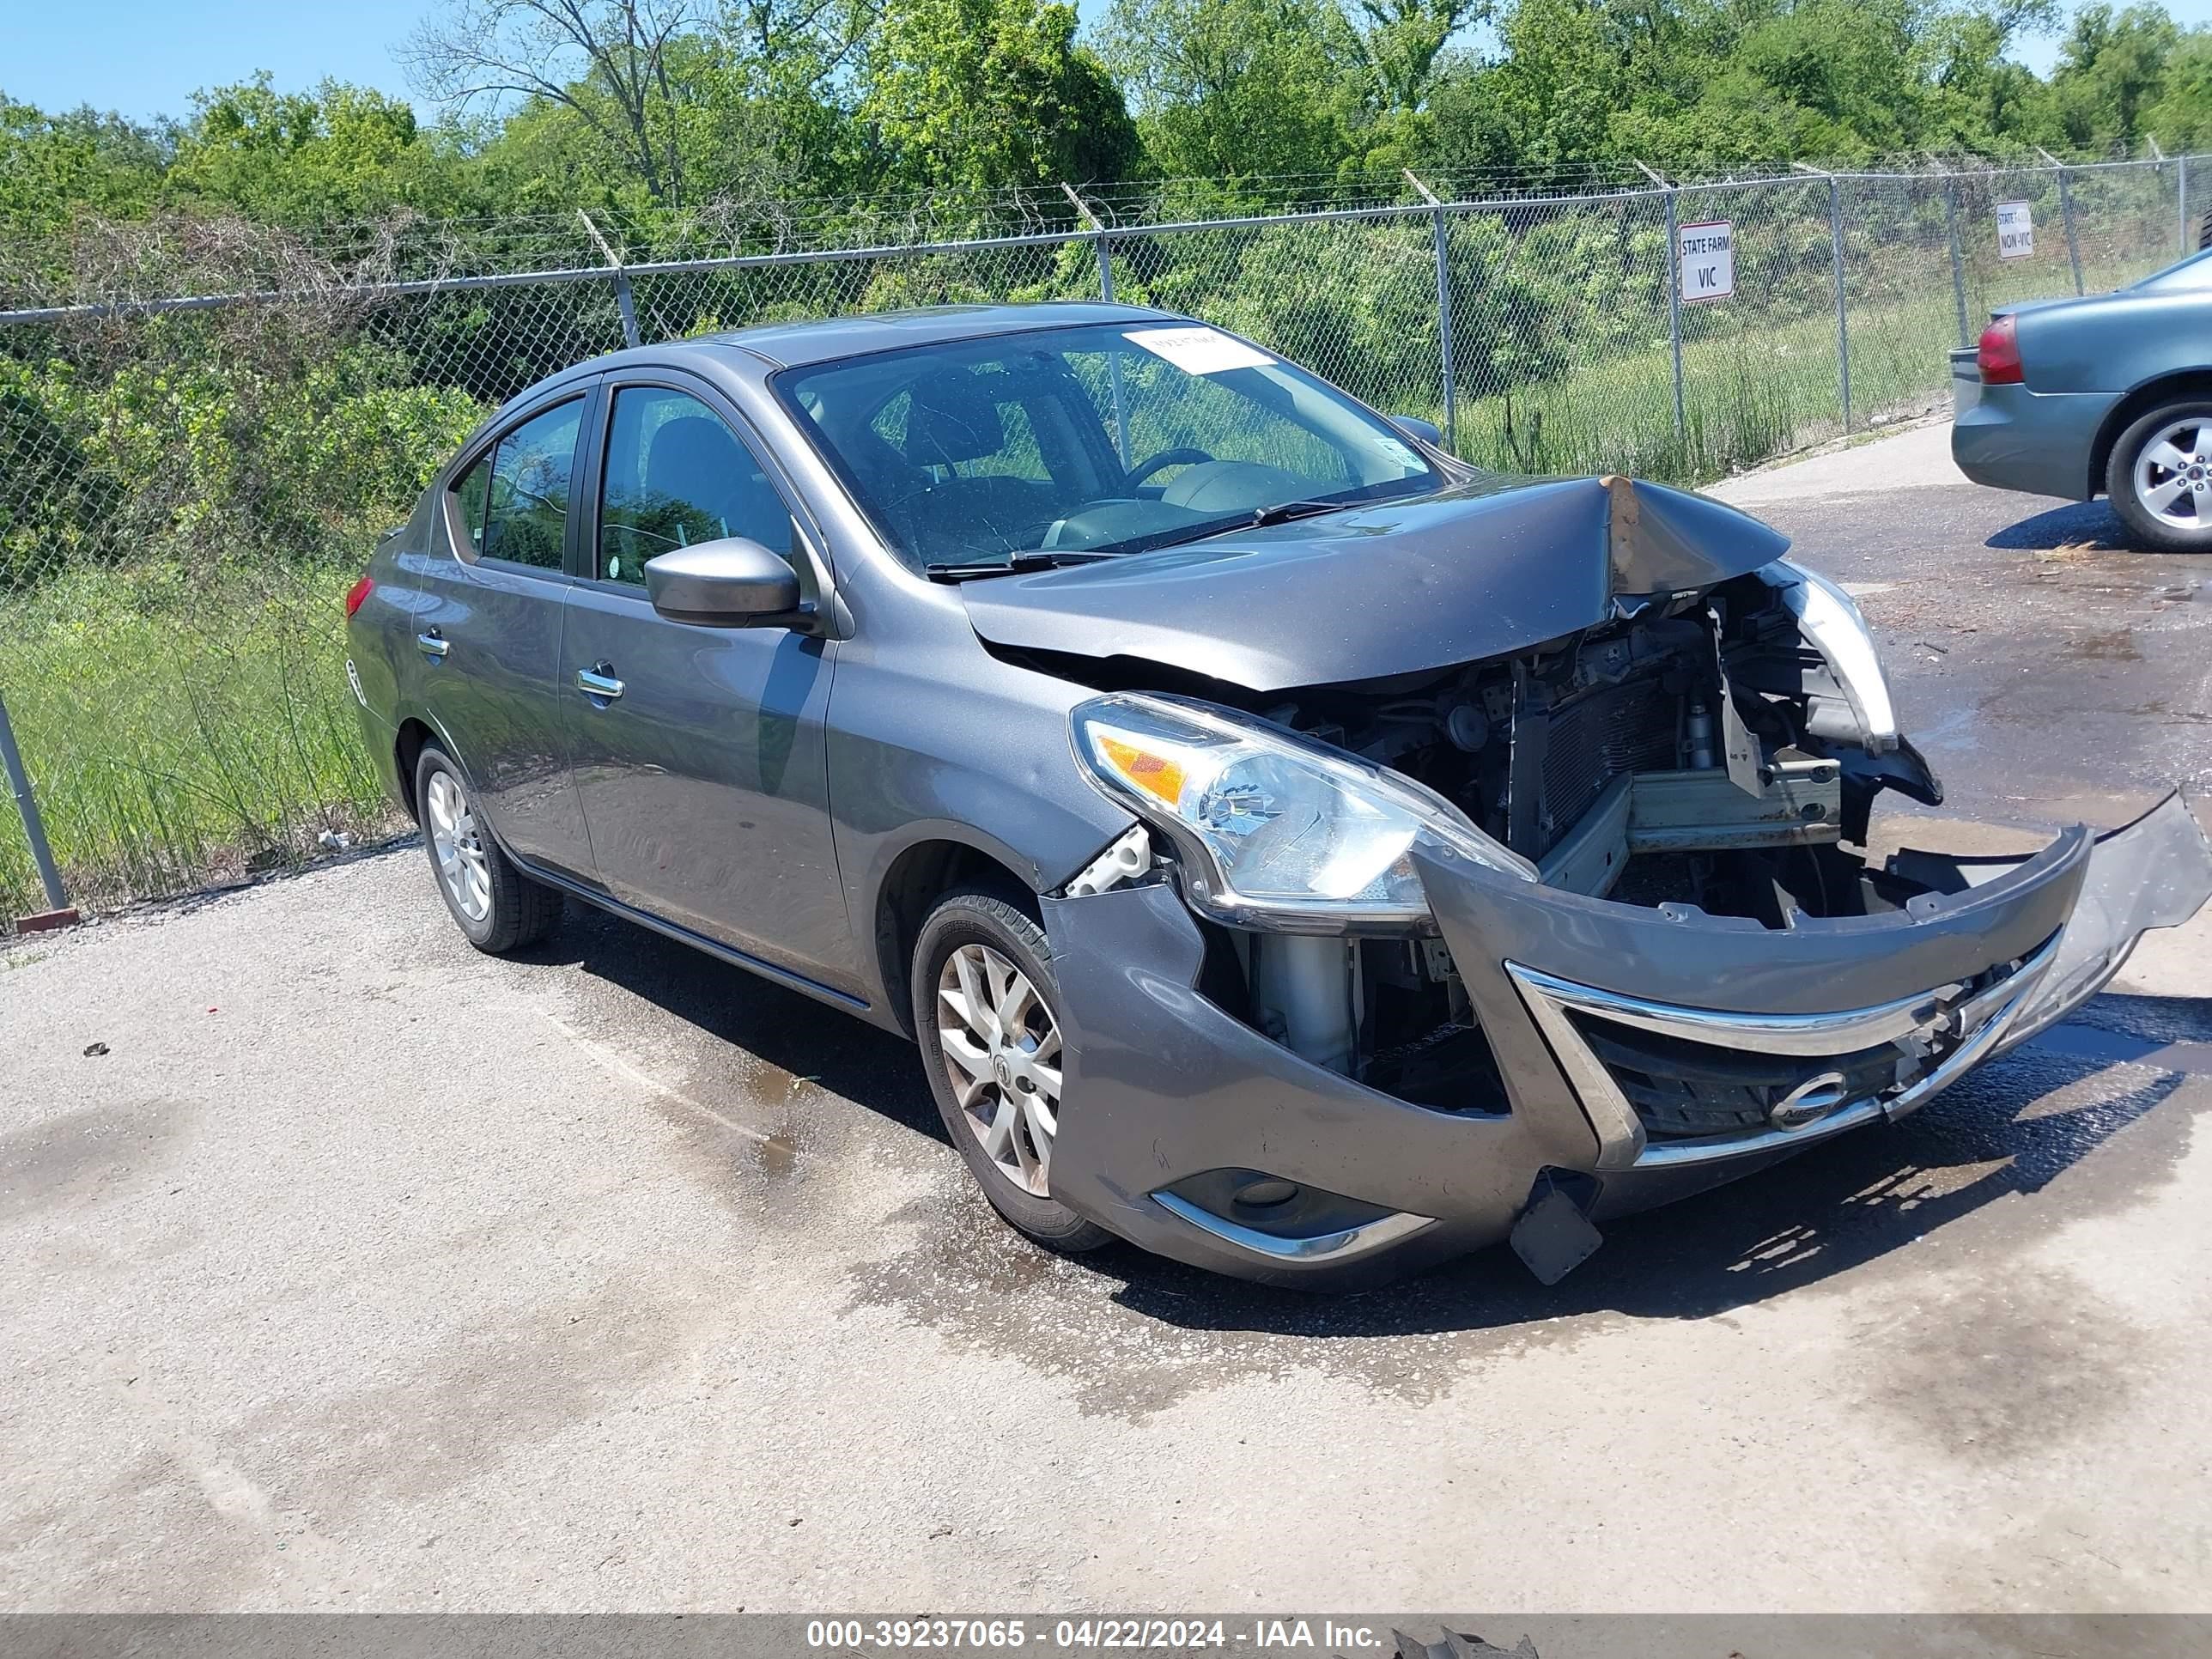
(495, 906)
(987, 1013)
(2160, 478)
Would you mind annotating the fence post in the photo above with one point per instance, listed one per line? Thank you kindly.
(623, 302)
(2066, 213)
(1958, 263)
(2181, 203)
(1103, 239)
(1674, 290)
(1843, 323)
(34, 827)
(1442, 236)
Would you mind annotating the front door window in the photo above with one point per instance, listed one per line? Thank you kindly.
(677, 476)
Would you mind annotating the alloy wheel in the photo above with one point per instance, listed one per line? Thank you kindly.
(1002, 1052)
(458, 845)
(2174, 474)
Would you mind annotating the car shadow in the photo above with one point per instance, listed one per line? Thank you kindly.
(2075, 524)
(782, 1028)
(2011, 1129)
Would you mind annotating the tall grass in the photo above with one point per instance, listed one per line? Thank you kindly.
(177, 729)
(1747, 397)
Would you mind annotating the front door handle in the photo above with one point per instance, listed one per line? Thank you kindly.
(597, 683)
(433, 645)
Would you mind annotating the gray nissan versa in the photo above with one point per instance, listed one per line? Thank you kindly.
(1293, 850)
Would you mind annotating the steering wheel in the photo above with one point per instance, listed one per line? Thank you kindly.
(1183, 457)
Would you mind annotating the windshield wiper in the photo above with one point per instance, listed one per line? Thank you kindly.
(1283, 511)
(1280, 513)
(1040, 559)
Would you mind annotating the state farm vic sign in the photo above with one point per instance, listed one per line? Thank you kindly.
(1704, 257)
(2016, 231)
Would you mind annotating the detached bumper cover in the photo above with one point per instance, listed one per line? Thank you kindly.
(1618, 1064)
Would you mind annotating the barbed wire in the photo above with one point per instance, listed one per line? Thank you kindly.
(409, 246)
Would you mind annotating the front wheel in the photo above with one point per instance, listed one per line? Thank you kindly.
(987, 1014)
(496, 906)
(2160, 478)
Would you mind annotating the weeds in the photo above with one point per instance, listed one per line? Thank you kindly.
(225, 736)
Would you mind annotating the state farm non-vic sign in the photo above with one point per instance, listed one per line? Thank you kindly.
(1704, 255)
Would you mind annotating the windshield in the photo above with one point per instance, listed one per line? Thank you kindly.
(1076, 442)
(2194, 272)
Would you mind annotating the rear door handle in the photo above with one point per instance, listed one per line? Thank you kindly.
(432, 645)
(595, 684)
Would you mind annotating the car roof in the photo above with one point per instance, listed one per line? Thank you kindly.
(785, 345)
(788, 344)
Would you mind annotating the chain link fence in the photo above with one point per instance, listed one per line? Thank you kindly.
(188, 484)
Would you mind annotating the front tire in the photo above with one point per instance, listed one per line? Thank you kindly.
(495, 905)
(2160, 478)
(987, 1014)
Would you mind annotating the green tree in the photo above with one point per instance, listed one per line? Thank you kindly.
(986, 94)
(607, 62)
(2111, 71)
(53, 167)
(1550, 97)
(338, 151)
(1227, 89)
(1398, 43)
(2182, 117)
(1979, 97)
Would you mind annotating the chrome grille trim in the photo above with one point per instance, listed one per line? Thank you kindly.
(1976, 1023)
(1343, 1245)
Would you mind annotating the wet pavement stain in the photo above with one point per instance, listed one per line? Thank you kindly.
(101, 1151)
(2118, 645)
(556, 1360)
(1135, 1334)
(1987, 1369)
(778, 1155)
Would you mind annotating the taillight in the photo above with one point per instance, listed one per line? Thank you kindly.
(360, 591)
(1998, 354)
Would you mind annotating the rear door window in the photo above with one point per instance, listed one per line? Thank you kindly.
(514, 503)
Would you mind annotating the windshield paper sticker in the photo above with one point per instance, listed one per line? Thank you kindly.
(1399, 453)
(1198, 350)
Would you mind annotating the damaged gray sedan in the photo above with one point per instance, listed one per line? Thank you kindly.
(1293, 851)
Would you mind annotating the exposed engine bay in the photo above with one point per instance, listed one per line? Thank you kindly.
(1706, 729)
(1696, 751)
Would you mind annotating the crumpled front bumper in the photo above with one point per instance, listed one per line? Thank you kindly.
(1595, 1010)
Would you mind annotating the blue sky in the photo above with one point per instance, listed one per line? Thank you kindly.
(148, 57)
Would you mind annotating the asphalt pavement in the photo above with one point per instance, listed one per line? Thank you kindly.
(342, 1267)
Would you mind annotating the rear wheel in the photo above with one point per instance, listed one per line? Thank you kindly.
(987, 1013)
(2161, 477)
(496, 906)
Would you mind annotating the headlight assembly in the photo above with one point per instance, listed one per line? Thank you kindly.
(1277, 831)
(1830, 621)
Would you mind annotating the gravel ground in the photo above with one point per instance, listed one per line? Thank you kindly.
(362, 1271)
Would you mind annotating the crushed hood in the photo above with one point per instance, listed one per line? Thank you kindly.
(1393, 587)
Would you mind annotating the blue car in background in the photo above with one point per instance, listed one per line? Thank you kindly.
(2108, 394)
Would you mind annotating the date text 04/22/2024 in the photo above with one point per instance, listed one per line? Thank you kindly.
(1103, 1633)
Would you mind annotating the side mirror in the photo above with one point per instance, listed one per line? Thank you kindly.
(732, 583)
(1414, 427)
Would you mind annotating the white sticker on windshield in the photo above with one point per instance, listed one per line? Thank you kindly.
(1199, 349)
(1398, 453)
